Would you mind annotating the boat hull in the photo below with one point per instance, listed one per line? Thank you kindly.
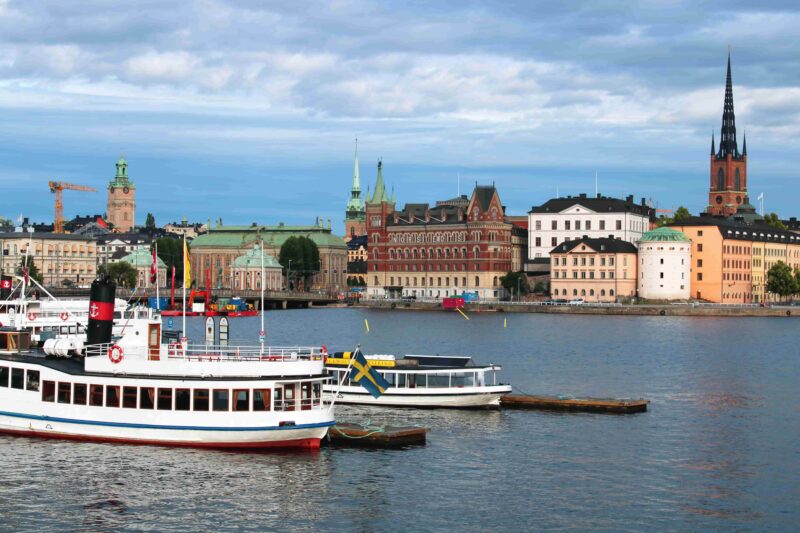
(396, 398)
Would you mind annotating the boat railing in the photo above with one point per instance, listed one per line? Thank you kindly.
(207, 352)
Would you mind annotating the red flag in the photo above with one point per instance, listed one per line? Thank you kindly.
(154, 268)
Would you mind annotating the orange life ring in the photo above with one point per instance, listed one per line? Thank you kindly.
(64, 316)
(115, 353)
(31, 316)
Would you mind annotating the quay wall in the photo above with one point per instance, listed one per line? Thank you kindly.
(622, 309)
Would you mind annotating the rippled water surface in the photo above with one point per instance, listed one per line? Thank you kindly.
(718, 449)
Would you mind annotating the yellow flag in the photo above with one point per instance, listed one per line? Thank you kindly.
(187, 266)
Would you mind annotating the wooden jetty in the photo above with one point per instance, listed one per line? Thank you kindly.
(568, 403)
(350, 434)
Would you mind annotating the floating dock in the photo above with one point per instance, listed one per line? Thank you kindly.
(568, 403)
(372, 436)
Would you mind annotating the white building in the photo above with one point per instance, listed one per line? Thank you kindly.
(665, 257)
(561, 220)
(112, 247)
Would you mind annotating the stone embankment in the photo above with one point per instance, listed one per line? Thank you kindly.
(589, 309)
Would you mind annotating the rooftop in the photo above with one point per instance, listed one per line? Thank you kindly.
(604, 244)
(664, 234)
(598, 204)
(253, 259)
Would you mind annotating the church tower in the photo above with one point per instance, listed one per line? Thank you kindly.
(728, 183)
(355, 220)
(121, 199)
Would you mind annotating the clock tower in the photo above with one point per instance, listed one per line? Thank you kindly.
(728, 184)
(121, 199)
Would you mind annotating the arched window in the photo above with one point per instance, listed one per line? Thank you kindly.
(602, 292)
(591, 292)
(583, 292)
(737, 181)
(611, 292)
(574, 292)
(721, 180)
(477, 281)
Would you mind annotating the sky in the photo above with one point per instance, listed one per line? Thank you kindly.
(248, 110)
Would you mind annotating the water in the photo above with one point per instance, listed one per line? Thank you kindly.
(718, 449)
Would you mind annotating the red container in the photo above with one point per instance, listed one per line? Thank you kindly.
(452, 303)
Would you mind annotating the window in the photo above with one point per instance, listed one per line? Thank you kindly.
(602, 227)
(165, 399)
(554, 225)
(699, 276)
(538, 225)
(49, 391)
(17, 378)
(699, 263)
(3, 376)
(147, 397)
(721, 180)
(700, 234)
(577, 224)
(221, 400)
(32, 383)
(619, 226)
(567, 225)
(129, 397)
(112, 396)
(699, 246)
(64, 392)
(538, 241)
(241, 400)
(79, 393)
(96, 395)
(200, 402)
(261, 399)
(182, 399)
(554, 241)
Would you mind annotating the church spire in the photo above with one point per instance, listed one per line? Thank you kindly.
(744, 144)
(356, 181)
(355, 206)
(379, 194)
(713, 150)
(727, 141)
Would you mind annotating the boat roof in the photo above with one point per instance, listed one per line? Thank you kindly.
(427, 361)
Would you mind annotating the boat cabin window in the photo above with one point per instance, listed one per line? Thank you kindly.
(277, 399)
(305, 396)
(96, 395)
(288, 397)
(165, 399)
(79, 393)
(401, 380)
(438, 380)
(64, 392)
(182, 399)
(112, 396)
(17, 378)
(48, 391)
(390, 377)
(221, 400)
(3, 376)
(129, 397)
(200, 400)
(147, 398)
(241, 400)
(261, 399)
(32, 383)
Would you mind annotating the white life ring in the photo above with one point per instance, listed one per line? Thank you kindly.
(31, 316)
(115, 353)
(64, 316)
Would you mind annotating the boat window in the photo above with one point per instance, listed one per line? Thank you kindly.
(79, 393)
(317, 391)
(401, 380)
(17, 378)
(261, 399)
(112, 396)
(3, 376)
(390, 377)
(63, 330)
(182, 399)
(277, 399)
(32, 383)
(129, 397)
(288, 397)
(305, 396)
(200, 400)
(221, 400)
(48, 391)
(165, 399)
(64, 392)
(147, 397)
(96, 395)
(241, 400)
(438, 380)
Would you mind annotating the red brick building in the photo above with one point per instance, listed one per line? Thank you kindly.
(728, 186)
(462, 245)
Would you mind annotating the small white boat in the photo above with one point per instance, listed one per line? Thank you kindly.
(418, 381)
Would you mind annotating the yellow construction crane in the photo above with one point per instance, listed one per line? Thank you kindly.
(58, 188)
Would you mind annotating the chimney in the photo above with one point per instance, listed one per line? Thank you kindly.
(583, 195)
(644, 201)
(599, 195)
(629, 199)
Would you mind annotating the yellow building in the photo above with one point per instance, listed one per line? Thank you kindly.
(594, 270)
(61, 259)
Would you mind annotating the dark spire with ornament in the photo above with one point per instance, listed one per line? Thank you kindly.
(727, 141)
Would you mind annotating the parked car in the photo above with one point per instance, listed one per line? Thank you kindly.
(576, 301)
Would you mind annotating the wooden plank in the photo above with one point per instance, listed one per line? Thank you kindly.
(350, 434)
(565, 403)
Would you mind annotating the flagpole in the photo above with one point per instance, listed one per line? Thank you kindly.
(158, 299)
(262, 333)
(183, 306)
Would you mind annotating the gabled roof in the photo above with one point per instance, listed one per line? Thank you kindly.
(598, 204)
(603, 245)
(483, 195)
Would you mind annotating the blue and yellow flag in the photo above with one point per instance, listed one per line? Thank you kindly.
(366, 376)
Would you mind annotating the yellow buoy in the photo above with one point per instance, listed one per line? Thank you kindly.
(366, 324)
(505, 323)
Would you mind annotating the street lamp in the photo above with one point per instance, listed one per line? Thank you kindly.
(289, 276)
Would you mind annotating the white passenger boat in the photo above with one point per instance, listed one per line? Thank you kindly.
(142, 389)
(418, 381)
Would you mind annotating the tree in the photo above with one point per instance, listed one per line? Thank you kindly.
(300, 257)
(122, 273)
(773, 220)
(150, 222)
(6, 224)
(516, 283)
(33, 272)
(681, 214)
(781, 281)
(170, 250)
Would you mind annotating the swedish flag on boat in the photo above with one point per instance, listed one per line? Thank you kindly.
(366, 376)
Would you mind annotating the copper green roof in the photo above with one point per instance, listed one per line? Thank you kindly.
(252, 259)
(272, 236)
(122, 179)
(142, 258)
(664, 234)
